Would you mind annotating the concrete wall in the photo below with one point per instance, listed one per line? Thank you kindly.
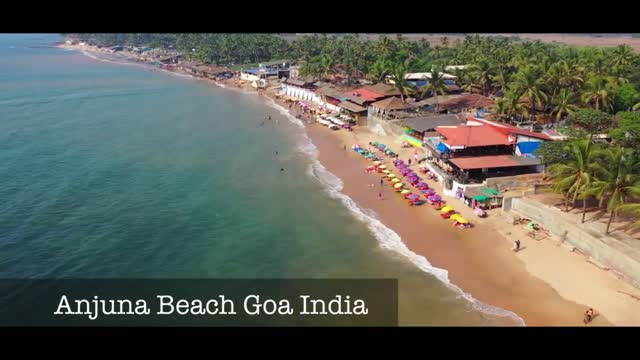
(513, 182)
(384, 127)
(620, 256)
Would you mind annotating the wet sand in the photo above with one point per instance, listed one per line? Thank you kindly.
(478, 260)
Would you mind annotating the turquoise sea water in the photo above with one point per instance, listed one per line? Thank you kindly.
(114, 170)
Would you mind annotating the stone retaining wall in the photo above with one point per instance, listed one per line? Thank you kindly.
(621, 256)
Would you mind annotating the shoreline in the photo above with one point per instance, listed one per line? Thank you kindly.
(478, 260)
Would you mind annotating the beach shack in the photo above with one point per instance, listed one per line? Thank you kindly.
(389, 106)
(419, 128)
(457, 103)
(482, 197)
(478, 150)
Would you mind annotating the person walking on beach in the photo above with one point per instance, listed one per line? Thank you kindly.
(380, 195)
(516, 246)
(588, 316)
(381, 182)
(409, 161)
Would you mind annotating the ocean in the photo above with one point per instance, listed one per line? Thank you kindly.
(115, 170)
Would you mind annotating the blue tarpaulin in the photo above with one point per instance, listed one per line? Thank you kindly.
(442, 147)
(528, 147)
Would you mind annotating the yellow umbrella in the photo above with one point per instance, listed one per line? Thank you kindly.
(446, 209)
(462, 220)
(382, 166)
(386, 171)
(455, 217)
(395, 180)
(405, 191)
(398, 186)
(377, 163)
(391, 176)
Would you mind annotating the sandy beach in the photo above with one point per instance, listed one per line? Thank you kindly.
(544, 283)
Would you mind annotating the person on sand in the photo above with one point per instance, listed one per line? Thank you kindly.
(381, 182)
(409, 161)
(380, 195)
(588, 316)
(516, 246)
(345, 148)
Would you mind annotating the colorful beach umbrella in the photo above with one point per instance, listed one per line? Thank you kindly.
(398, 186)
(381, 166)
(446, 209)
(395, 180)
(462, 220)
(377, 163)
(455, 217)
(403, 192)
(386, 171)
(391, 176)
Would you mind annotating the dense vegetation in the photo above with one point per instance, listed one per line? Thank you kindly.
(586, 91)
(583, 168)
(225, 49)
(529, 77)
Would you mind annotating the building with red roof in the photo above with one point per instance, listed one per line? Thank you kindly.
(467, 136)
(481, 149)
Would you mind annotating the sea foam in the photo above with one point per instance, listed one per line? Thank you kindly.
(387, 238)
(333, 185)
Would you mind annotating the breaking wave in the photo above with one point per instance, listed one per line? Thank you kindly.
(389, 239)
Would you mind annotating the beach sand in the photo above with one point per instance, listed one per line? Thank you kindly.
(543, 283)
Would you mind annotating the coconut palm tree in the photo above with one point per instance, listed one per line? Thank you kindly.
(598, 93)
(436, 85)
(632, 210)
(379, 70)
(398, 74)
(617, 180)
(482, 72)
(573, 178)
(621, 57)
(510, 105)
(563, 103)
(528, 83)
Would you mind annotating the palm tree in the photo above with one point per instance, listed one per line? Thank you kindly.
(398, 74)
(564, 104)
(326, 65)
(379, 70)
(598, 93)
(633, 210)
(621, 57)
(435, 85)
(482, 73)
(528, 84)
(573, 178)
(617, 180)
(385, 46)
(510, 105)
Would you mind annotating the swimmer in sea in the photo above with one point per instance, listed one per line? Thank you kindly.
(281, 169)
